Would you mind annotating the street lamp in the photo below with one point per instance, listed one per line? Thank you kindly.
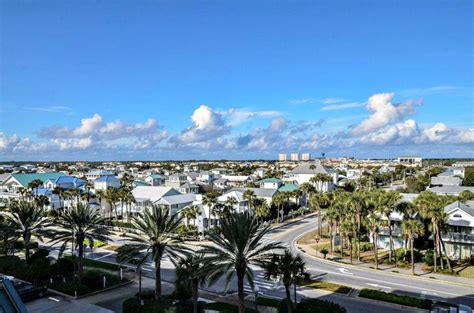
(317, 242)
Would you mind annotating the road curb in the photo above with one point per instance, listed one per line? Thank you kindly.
(293, 244)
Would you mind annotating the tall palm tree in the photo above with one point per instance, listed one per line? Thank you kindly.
(235, 249)
(231, 202)
(373, 222)
(188, 272)
(59, 191)
(250, 197)
(154, 232)
(278, 200)
(290, 268)
(319, 180)
(387, 203)
(190, 213)
(34, 185)
(78, 223)
(210, 200)
(28, 220)
(412, 228)
(307, 189)
(318, 200)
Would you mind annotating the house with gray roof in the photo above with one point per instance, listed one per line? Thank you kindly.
(305, 171)
(450, 190)
(458, 237)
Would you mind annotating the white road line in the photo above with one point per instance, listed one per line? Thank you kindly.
(104, 256)
(54, 299)
(378, 286)
(394, 284)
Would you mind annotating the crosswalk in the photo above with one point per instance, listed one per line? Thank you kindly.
(266, 240)
(263, 284)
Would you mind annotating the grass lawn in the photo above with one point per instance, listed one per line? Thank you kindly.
(324, 285)
(97, 243)
(465, 271)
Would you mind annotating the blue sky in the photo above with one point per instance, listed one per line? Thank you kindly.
(235, 79)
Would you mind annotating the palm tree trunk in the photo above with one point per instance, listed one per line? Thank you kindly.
(390, 243)
(320, 226)
(240, 287)
(435, 244)
(80, 257)
(376, 259)
(358, 238)
(195, 291)
(158, 279)
(331, 244)
(350, 247)
(412, 257)
(294, 292)
(288, 298)
(26, 241)
(443, 249)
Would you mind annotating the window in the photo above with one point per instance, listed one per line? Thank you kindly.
(457, 215)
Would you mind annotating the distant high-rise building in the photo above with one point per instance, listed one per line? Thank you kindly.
(305, 156)
(295, 157)
(282, 157)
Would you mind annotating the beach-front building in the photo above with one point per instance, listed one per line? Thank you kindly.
(459, 235)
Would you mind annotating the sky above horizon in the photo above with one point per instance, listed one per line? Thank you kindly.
(154, 80)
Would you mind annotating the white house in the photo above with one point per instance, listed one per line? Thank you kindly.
(93, 175)
(459, 236)
(270, 183)
(153, 180)
(304, 172)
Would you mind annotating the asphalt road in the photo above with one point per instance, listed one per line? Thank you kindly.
(368, 278)
(334, 272)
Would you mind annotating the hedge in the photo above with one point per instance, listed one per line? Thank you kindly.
(96, 264)
(312, 305)
(165, 305)
(268, 301)
(226, 307)
(393, 298)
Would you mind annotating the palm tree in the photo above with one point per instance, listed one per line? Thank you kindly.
(190, 213)
(34, 185)
(112, 196)
(78, 223)
(59, 191)
(387, 202)
(210, 200)
(290, 268)
(188, 272)
(154, 232)
(278, 200)
(41, 201)
(412, 228)
(261, 210)
(235, 249)
(231, 202)
(318, 200)
(319, 180)
(307, 189)
(8, 234)
(28, 221)
(249, 196)
(373, 222)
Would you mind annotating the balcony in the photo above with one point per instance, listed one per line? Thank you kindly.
(458, 237)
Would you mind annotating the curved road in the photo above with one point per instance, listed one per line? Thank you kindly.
(367, 278)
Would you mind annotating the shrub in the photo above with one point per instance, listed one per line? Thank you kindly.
(10, 261)
(393, 298)
(283, 306)
(268, 301)
(318, 306)
(324, 251)
(429, 257)
(62, 267)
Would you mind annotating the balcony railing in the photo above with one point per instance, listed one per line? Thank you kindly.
(459, 237)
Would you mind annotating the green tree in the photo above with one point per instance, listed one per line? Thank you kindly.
(190, 276)
(235, 250)
(28, 221)
(412, 228)
(190, 213)
(290, 268)
(154, 232)
(78, 223)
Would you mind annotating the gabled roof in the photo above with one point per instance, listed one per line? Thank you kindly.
(288, 188)
(467, 207)
(25, 179)
(140, 183)
(68, 180)
(178, 199)
(305, 168)
(107, 179)
(259, 192)
(153, 193)
(154, 176)
(449, 189)
(270, 180)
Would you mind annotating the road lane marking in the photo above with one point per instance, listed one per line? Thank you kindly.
(104, 256)
(378, 286)
(54, 299)
(344, 271)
